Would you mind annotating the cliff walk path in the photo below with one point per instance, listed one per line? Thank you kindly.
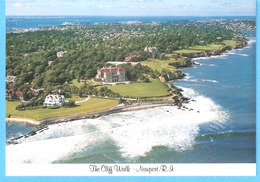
(86, 99)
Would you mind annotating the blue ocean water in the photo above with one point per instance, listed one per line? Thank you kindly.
(219, 125)
(229, 80)
(16, 130)
(47, 21)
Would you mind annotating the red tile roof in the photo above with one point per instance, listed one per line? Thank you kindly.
(108, 70)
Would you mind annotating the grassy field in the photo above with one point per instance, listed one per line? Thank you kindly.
(210, 47)
(144, 90)
(92, 105)
(231, 43)
(199, 48)
(77, 84)
(158, 65)
(75, 98)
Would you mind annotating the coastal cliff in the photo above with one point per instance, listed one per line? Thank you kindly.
(214, 52)
(168, 76)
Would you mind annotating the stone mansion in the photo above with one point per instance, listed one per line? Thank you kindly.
(111, 75)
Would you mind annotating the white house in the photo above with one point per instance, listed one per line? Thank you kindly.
(151, 49)
(111, 75)
(54, 100)
(10, 78)
(61, 54)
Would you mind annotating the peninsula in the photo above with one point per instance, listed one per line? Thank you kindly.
(117, 66)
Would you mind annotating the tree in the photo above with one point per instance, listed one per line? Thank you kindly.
(70, 104)
(146, 80)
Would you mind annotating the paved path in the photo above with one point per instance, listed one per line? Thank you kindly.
(86, 99)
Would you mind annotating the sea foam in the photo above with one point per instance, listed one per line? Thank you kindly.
(133, 133)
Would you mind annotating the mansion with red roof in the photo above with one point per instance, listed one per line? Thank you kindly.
(111, 75)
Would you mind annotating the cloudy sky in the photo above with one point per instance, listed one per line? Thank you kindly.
(132, 7)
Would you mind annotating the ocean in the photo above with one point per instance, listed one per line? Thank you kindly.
(48, 21)
(218, 126)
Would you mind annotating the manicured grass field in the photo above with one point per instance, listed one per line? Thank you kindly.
(187, 51)
(199, 48)
(92, 105)
(207, 47)
(158, 65)
(154, 88)
(75, 98)
(231, 42)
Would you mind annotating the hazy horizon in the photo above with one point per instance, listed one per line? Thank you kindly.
(195, 8)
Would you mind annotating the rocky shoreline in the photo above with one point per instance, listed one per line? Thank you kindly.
(215, 52)
(43, 125)
(177, 99)
(189, 60)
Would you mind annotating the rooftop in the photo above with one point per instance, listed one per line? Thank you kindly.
(108, 70)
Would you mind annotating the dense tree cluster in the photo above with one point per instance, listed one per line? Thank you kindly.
(32, 56)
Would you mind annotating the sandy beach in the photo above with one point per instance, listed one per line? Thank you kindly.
(23, 121)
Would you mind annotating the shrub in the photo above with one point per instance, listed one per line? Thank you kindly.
(20, 107)
(146, 80)
(54, 107)
(70, 104)
(120, 101)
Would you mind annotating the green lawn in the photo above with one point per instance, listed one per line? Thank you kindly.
(92, 105)
(199, 48)
(156, 64)
(76, 83)
(187, 51)
(210, 47)
(207, 47)
(75, 98)
(231, 42)
(144, 90)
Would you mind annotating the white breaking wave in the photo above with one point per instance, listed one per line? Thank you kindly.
(200, 64)
(211, 65)
(200, 58)
(243, 54)
(199, 80)
(231, 52)
(221, 56)
(251, 41)
(134, 133)
(187, 76)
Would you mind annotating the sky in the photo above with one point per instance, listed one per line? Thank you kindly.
(132, 7)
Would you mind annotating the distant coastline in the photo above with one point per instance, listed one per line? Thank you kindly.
(30, 24)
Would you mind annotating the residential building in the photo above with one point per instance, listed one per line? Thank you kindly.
(12, 95)
(20, 95)
(151, 49)
(10, 78)
(54, 100)
(133, 58)
(37, 92)
(111, 75)
(61, 54)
